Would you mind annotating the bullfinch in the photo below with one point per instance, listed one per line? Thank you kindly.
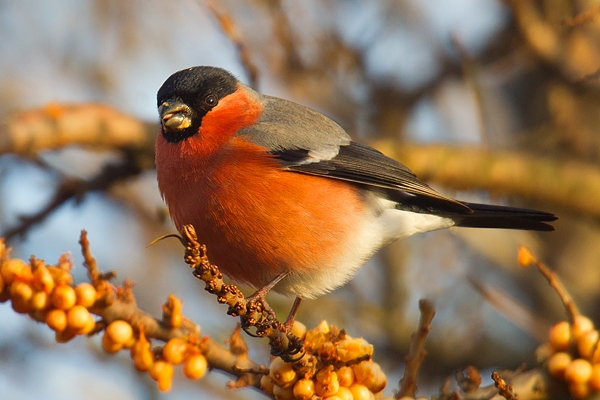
(281, 195)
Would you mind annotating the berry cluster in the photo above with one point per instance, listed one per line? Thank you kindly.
(345, 369)
(573, 355)
(47, 294)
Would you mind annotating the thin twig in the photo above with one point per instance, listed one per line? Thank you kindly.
(526, 258)
(75, 189)
(416, 352)
(230, 30)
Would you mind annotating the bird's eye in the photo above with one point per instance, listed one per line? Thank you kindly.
(211, 100)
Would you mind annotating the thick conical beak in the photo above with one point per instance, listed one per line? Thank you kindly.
(174, 116)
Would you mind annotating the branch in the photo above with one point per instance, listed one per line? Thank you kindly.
(88, 124)
(416, 352)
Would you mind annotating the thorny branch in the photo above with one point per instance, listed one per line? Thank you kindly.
(119, 304)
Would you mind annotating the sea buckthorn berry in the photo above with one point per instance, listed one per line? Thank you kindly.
(195, 366)
(579, 390)
(11, 269)
(42, 279)
(77, 318)
(119, 331)
(109, 345)
(360, 392)
(39, 301)
(162, 372)
(370, 374)
(586, 343)
(20, 295)
(57, 320)
(558, 363)
(581, 325)
(579, 370)
(560, 336)
(282, 373)
(327, 382)
(299, 329)
(89, 326)
(174, 351)
(304, 389)
(524, 257)
(543, 353)
(63, 296)
(283, 393)
(595, 378)
(2, 285)
(345, 376)
(344, 394)
(267, 384)
(85, 294)
(141, 353)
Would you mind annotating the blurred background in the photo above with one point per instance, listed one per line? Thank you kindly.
(510, 80)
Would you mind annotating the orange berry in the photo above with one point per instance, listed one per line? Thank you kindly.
(524, 257)
(119, 331)
(578, 371)
(267, 384)
(299, 329)
(195, 366)
(304, 389)
(344, 393)
(57, 320)
(39, 301)
(85, 294)
(2, 285)
(595, 378)
(162, 373)
(77, 318)
(63, 296)
(283, 393)
(360, 392)
(581, 325)
(12, 268)
(327, 382)
(21, 291)
(370, 374)
(20, 295)
(543, 353)
(345, 376)
(42, 279)
(109, 345)
(142, 355)
(159, 369)
(587, 342)
(174, 351)
(282, 373)
(558, 363)
(579, 390)
(560, 336)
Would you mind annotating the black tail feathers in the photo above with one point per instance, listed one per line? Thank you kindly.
(489, 216)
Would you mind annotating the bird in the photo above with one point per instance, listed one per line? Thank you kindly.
(282, 197)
